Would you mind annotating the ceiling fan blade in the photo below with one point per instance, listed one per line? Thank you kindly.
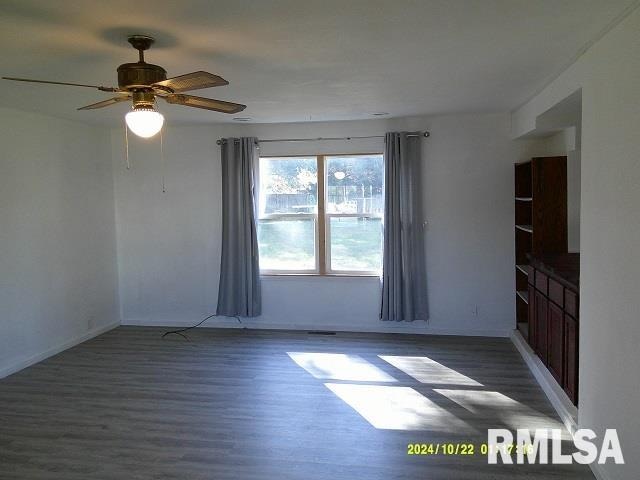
(106, 103)
(206, 103)
(192, 81)
(30, 80)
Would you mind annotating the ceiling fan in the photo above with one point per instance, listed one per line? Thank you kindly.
(142, 82)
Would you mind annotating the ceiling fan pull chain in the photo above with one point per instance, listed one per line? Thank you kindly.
(162, 165)
(126, 145)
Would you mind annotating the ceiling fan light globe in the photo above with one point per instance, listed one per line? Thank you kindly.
(144, 122)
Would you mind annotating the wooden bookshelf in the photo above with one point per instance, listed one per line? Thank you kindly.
(540, 221)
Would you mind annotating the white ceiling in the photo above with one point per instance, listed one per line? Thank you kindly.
(297, 60)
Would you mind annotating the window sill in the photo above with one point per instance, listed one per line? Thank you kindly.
(323, 275)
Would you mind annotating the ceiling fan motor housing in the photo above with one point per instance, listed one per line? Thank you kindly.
(139, 75)
(143, 100)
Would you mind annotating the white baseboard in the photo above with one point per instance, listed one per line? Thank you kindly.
(597, 471)
(412, 328)
(566, 410)
(561, 403)
(38, 357)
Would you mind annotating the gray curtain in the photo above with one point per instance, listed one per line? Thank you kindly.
(404, 277)
(239, 291)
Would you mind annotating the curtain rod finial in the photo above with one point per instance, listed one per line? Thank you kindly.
(426, 134)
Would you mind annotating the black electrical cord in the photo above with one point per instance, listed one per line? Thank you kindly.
(180, 330)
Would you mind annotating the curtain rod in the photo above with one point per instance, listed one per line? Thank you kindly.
(269, 140)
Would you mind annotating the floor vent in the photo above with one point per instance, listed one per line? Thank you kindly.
(320, 332)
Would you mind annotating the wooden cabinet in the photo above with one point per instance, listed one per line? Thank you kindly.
(546, 276)
(541, 282)
(571, 303)
(571, 355)
(556, 292)
(532, 317)
(540, 225)
(553, 322)
(570, 383)
(540, 307)
(555, 347)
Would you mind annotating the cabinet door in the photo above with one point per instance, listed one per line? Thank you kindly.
(540, 307)
(571, 303)
(555, 345)
(532, 317)
(570, 383)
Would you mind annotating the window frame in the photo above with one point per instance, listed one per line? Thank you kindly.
(322, 223)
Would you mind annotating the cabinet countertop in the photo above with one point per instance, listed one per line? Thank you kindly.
(564, 267)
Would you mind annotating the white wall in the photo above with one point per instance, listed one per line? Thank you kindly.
(169, 243)
(608, 74)
(57, 236)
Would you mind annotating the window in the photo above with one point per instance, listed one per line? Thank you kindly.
(321, 214)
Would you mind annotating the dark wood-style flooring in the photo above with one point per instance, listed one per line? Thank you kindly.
(258, 405)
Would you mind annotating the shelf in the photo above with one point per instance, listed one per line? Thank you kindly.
(525, 162)
(524, 295)
(540, 204)
(525, 228)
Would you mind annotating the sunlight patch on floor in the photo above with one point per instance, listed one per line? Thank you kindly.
(506, 411)
(398, 408)
(426, 370)
(339, 366)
